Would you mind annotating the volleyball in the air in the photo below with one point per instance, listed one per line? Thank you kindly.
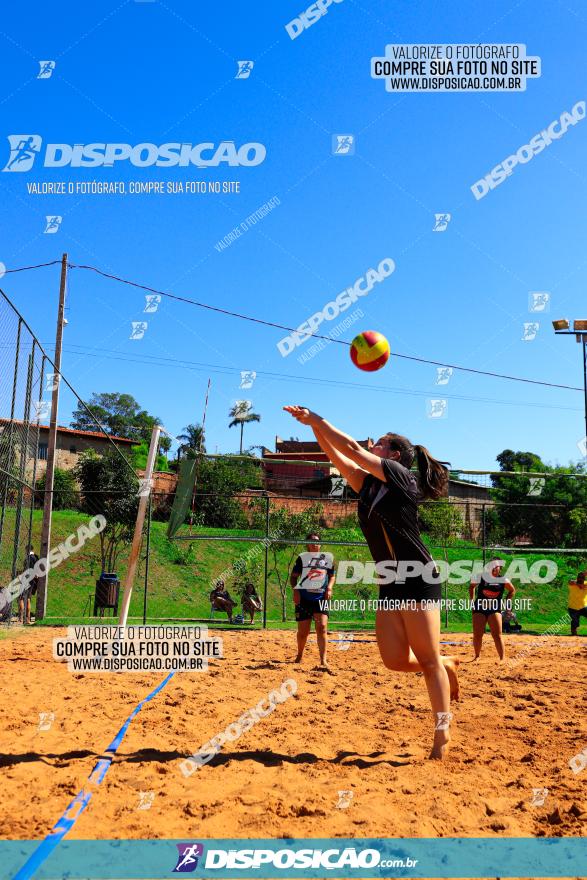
(369, 351)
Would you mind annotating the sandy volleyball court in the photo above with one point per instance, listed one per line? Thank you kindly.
(364, 730)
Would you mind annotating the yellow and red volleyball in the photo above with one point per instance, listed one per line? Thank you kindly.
(369, 351)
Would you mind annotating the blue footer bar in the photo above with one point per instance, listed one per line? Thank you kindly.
(338, 857)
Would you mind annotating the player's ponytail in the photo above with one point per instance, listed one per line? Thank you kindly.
(433, 475)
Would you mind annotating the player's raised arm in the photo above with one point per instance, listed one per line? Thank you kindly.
(340, 443)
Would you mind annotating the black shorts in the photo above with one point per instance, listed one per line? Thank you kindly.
(487, 607)
(576, 614)
(27, 594)
(307, 608)
(412, 589)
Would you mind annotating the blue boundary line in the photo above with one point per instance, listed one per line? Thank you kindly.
(74, 810)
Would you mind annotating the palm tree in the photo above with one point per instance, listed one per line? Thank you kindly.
(192, 441)
(240, 413)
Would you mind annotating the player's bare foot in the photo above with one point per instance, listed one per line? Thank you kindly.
(440, 747)
(298, 658)
(441, 736)
(451, 664)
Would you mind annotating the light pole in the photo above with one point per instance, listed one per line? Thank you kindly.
(562, 327)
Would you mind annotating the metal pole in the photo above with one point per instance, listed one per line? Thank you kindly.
(147, 561)
(584, 341)
(266, 562)
(36, 452)
(8, 461)
(136, 541)
(483, 531)
(24, 451)
(41, 608)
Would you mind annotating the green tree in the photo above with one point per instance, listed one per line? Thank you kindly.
(289, 526)
(139, 455)
(109, 487)
(442, 521)
(65, 490)
(120, 414)
(218, 481)
(548, 510)
(240, 414)
(193, 441)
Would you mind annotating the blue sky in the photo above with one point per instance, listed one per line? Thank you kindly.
(155, 72)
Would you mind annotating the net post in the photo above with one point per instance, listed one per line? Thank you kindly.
(138, 533)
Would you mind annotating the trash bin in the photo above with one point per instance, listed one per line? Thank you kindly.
(107, 593)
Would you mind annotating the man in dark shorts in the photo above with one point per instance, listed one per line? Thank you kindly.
(487, 604)
(312, 578)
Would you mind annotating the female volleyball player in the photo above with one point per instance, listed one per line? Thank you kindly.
(407, 627)
(487, 604)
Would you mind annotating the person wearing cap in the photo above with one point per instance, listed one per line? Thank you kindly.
(312, 579)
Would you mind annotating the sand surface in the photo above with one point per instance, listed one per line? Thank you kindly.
(364, 729)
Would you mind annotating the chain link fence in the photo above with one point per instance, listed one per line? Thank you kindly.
(266, 533)
(251, 537)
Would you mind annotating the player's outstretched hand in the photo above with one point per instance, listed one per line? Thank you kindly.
(302, 414)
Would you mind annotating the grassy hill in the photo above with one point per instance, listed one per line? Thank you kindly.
(181, 575)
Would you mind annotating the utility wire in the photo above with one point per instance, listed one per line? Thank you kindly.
(261, 321)
(26, 268)
(160, 360)
(253, 320)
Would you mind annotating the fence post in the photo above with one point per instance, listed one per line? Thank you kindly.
(147, 561)
(7, 476)
(41, 606)
(483, 531)
(266, 561)
(24, 449)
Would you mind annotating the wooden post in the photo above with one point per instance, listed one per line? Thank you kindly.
(41, 606)
(136, 541)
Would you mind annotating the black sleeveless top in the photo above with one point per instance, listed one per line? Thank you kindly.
(488, 596)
